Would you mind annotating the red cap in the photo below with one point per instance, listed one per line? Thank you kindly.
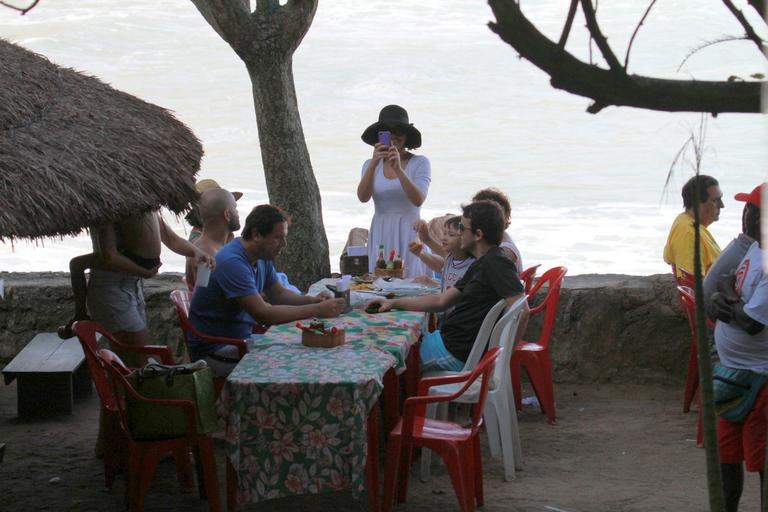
(754, 198)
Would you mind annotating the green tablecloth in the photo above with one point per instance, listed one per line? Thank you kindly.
(295, 417)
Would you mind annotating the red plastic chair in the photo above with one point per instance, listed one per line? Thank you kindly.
(535, 357)
(181, 299)
(458, 446)
(144, 455)
(113, 437)
(685, 278)
(688, 299)
(527, 277)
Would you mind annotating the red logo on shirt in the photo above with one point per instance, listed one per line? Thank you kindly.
(741, 274)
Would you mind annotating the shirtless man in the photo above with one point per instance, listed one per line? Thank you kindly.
(218, 212)
(124, 253)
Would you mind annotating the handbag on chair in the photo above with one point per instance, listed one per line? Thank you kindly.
(192, 381)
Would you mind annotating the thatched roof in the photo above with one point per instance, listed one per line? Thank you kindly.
(75, 152)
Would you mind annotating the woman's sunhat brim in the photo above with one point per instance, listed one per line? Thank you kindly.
(412, 136)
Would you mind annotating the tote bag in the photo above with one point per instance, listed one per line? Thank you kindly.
(192, 382)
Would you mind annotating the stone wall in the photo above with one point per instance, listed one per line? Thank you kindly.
(608, 328)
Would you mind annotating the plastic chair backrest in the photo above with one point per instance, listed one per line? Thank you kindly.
(685, 278)
(117, 371)
(503, 336)
(181, 299)
(554, 279)
(483, 335)
(527, 277)
(688, 299)
(86, 331)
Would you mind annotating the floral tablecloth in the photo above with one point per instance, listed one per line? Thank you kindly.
(295, 417)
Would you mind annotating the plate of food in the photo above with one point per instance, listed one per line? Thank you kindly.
(366, 278)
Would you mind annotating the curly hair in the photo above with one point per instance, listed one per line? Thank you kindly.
(262, 219)
(494, 194)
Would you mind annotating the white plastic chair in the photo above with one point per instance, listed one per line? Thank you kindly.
(500, 418)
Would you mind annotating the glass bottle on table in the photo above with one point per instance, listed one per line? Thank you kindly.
(380, 261)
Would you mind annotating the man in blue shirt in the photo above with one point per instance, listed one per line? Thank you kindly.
(232, 302)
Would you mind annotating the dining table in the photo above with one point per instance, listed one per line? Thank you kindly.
(304, 420)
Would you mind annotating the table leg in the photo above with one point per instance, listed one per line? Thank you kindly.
(231, 487)
(412, 371)
(391, 399)
(372, 460)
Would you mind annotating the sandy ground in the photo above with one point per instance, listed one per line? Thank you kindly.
(615, 448)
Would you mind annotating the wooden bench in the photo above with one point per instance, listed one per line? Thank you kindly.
(50, 374)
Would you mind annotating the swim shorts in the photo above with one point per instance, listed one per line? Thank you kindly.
(116, 301)
(745, 441)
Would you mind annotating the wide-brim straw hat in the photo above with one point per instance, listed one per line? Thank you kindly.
(210, 184)
(390, 117)
(74, 152)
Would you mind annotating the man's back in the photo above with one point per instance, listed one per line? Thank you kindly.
(679, 249)
(490, 279)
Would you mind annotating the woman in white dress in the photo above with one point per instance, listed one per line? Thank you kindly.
(398, 182)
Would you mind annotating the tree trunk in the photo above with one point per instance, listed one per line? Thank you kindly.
(265, 39)
(290, 181)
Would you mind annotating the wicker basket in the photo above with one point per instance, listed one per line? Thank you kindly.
(327, 340)
(385, 272)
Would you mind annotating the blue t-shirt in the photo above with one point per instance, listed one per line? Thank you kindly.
(215, 310)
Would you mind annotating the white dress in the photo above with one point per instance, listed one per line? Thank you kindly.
(395, 215)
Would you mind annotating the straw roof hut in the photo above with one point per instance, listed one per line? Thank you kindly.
(75, 152)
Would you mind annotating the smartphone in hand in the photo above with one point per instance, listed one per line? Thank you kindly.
(385, 137)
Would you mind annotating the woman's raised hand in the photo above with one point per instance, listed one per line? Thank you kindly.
(422, 228)
(379, 151)
(393, 157)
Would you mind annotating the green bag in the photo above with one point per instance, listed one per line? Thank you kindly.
(735, 391)
(192, 381)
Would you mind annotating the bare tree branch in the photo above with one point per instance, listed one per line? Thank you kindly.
(707, 44)
(597, 35)
(568, 24)
(609, 88)
(751, 34)
(759, 6)
(227, 17)
(637, 29)
(22, 10)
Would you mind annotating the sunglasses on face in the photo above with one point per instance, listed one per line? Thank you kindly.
(397, 131)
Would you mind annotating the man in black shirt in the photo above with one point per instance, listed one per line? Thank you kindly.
(491, 278)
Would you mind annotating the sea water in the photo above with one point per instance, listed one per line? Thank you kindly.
(588, 191)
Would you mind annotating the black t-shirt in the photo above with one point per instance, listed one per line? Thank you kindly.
(490, 279)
